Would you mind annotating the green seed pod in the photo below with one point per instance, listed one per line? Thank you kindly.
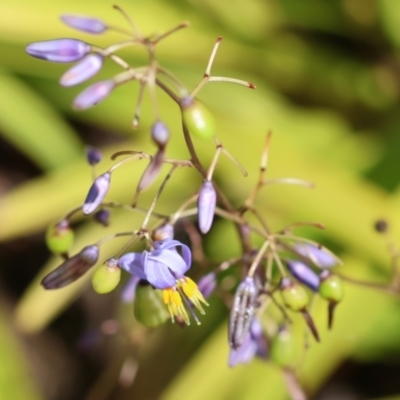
(198, 118)
(331, 287)
(106, 277)
(283, 349)
(149, 307)
(60, 237)
(294, 295)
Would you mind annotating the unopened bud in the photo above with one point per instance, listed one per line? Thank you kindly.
(160, 134)
(207, 284)
(206, 203)
(163, 232)
(242, 312)
(60, 237)
(304, 274)
(97, 192)
(319, 256)
(106, 277)
(93, 155)
(102, 217)
(151, 172)
(59, 50)
(85, 24)
(82, 71)
(72, 269)
(93, 95)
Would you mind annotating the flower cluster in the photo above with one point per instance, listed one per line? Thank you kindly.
(277, 278)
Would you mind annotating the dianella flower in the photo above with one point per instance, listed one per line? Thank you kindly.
(164, 268)
(254, 344)
(93, 94)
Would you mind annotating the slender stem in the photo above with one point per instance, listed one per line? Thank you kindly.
(236, 162)
(180, 210)
(212, 56)
(232, 80)
(136, 118)
(258, 258)
(214, 161)
(289, 181)
(182, 25)
(180, 86)
(114, 236)
(130, 21)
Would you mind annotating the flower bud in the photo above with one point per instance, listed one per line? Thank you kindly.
(59, 50)
(206, 203)
(60, 238)
(207, 284)
(149, 307)
(151, 172)
(102, 217)
(294, 295)
(160, 134)
(198, 118)
(163, 232)
(93, 155)
(283, 348)
(82, 71)
(242, 312)
(303, 274)
(85, 24)
(72, 269)
(106, 277)
(97, 192)
(317, 255)
(93, 95)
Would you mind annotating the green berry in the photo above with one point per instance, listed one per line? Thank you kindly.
(283, 348)
(198, 118)
(60, 238)
(106, 277)
(294, 295)
(331, 287)
(149, 307)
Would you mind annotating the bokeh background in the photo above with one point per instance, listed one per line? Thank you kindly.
(328, 86)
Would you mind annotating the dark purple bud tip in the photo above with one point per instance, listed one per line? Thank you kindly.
(242, 312)
(59, 50)
(93, 95)
(207, 284)
(160, 133)
(82, 71)
(206, 203)
(96, 194)
(319, 256)
(72, 269)
(303, 274)
(93, 155)
(85, 24)
(102, 216)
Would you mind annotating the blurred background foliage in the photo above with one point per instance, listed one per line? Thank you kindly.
(328, 86)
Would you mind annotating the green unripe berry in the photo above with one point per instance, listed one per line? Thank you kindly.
(294, 295)
(198, 118)
(283, 349)
(60, 238)
(106, 277)
(331, 287)
(149, 307)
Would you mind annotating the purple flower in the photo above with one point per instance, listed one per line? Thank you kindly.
(102, 217)
(164, 268)
(163, 232)
(93, 94)
(72, 269)
(254, 344)
(161, 267)
(304, 274)
(129, 290)
(85, 24)
(206, 203)
(82, 71)
(318, 255)
(96, 194)
(59, 50)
